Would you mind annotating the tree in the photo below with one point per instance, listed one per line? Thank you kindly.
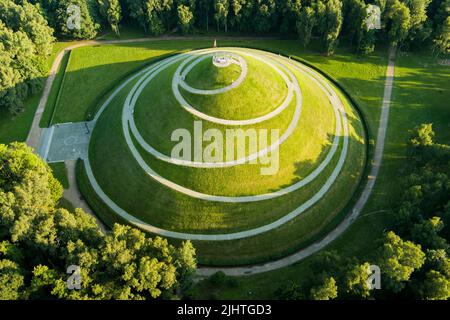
(289, 13)
(436, 283)
(185, 18)
(427, 233)
(355, 281)
(221, 8)
(137, 10)
(11, 281)
(356, 18)
(289, 291)
(265, 15)
(398, 259)
(421, 136)
(327, 290)
(399, 18)
(305, 24)
(441, 41)
(154, 16)
(112, 12)
(204, 7)
(420, 30)
(436, 286)
(75, 19)
(186, 262)
(28, 191)
(332, 18)
(167, 11)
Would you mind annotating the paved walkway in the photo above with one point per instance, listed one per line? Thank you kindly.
(333, 235)
(73, 194)
(67, 141)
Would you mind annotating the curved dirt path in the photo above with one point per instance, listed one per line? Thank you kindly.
(73, 194)
(333, 235)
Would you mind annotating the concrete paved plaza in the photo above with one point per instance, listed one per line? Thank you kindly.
(67, 141)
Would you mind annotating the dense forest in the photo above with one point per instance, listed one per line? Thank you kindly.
(28, 28)
(406, 22)
(39, 240)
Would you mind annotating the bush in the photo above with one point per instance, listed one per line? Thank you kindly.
(218, 278)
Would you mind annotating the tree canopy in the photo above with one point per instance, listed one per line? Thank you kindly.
(27, 27)
(407, 23)
(25, 42)
(39, 241)
(413, 257)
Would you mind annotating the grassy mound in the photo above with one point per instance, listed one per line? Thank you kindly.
(158, 114)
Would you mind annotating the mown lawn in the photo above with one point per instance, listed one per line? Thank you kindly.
(127, 31)
(421, 95)
(206, 76)
(165, 219)
(46, 120)
(93, 71)
(16, 127)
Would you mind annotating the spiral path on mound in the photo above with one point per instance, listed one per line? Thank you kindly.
(279, 64)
